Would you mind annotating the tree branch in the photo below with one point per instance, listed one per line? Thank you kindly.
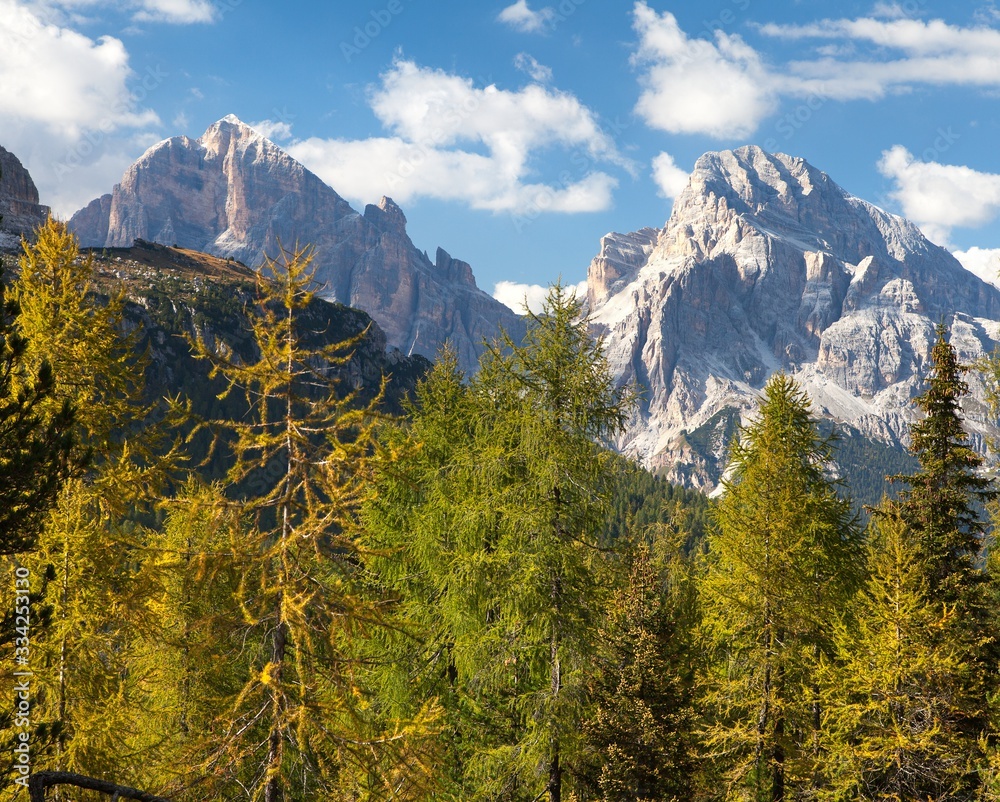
(44, 779)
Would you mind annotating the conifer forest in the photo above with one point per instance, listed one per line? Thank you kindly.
(289, 582)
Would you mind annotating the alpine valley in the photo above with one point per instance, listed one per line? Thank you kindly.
(765, 264)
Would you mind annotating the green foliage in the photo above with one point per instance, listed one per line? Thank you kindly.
(641, 728)
(867, 466)
(94, 363)
(943, 501)
(492, 522)
(296, 726)
(641, 501)
(898, 690)
(86, 557)
(781, 565)
(33, 450)
(196, 658)
(89, 549)
(478, 601)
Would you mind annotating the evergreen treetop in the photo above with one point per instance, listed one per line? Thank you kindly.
(943, 503)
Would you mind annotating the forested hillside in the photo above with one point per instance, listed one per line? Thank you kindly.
(266, 560)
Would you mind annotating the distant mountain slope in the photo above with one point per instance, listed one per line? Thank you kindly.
(175, 293)
(19, 206)
(766, 264)
(234, 193)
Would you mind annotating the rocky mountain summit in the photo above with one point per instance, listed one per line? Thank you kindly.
(19, 204)
(766, 264)
(234, 193)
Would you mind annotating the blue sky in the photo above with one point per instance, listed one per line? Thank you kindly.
(515, 135)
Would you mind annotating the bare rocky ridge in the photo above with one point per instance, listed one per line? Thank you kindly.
(19, 204)
(234, 193)
(766, 264)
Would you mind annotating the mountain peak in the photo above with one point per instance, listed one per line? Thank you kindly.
(234, 193)
(386, 216)
(753, 180)
(231, 121)
(767, 264)
(230, 128)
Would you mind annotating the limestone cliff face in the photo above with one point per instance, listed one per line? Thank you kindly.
(766, 264)
(19, 204)
(234, 193)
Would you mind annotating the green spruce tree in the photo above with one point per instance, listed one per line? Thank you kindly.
(943, 509)
(555, 401)
(423, 554)
(781, 564)
(491, 524)
(943, 505)
(641, 727)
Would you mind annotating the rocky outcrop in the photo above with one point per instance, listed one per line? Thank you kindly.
(620, 255)
(234, 193)
(766, 264)
(19, 204)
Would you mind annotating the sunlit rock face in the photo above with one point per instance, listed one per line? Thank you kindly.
(234, 193)
(766, 264)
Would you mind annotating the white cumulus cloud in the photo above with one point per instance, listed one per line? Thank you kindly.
(939, 197)
(74, 111)
(519, 16)
(450, 139)
(693, 85)
(984, 262)
(670, 178)
(530, 297)
(63, 79)
(275, 130)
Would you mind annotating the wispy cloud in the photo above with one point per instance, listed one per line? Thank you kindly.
(530, 67)
(181, 12)
(902, 53)
(173, 12)
(450, 139)
(723, 87)
(522, 18)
